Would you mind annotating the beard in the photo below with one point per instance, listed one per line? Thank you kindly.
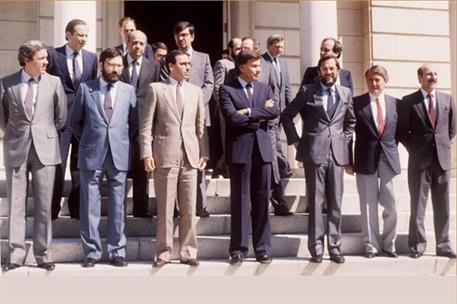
(110, 77)
(328, 81)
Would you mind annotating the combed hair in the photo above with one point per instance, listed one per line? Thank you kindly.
(28, 49)
(337, 47)
(378, 70)
(232, 42)
(325, 58)
(159, 45)
(125, 19)
(72, 24)
(108, 54)
(243, 57)
(171, 57)
(273, 39)
(182, 25)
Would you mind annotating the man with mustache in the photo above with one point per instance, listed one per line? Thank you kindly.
(328, 123)
(426, 128)
(101, 121)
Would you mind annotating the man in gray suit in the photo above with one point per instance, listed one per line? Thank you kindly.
(33, 109)
(101, 121)
(328, 123)
(426, 128)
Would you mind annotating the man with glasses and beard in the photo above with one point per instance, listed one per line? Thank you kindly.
(101, 118)
(328, 123)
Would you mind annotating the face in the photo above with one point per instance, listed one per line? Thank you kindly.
(247, 45)
(37, 65)
(429, 78)
(328, 72)
(375, 84)
(327, 48)
(77, 40)
(111, 69)
(276, 49)
(236, 49)
(159, 54)
(181, 69)
(136, 45)
(126, 29)
(250, 71)
(184, 39)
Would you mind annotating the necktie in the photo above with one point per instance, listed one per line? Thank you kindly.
(179, 103)
(76, 70)
(431, 109)
(134, 74)
(277, 69)
(249, 91)
(28, 101)
(379, 116)
(108, 103)
(330, 103)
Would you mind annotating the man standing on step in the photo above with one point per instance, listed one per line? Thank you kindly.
(328, 123)
(173, 147)
(101, 119)
(32, 110)
(73, 65)
(426, 129)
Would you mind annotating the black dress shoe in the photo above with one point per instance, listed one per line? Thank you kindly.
(118, 261)
(236, 259)
(159, 263)
(390, 254)
(10, 266)
(286, 174)
(202, 213)
(263, 258)
(415, 255)
(337, 258)
(316, 258)
(190, 262)
(47, 266)
(369, 255)
(449, 254)
(89, 262)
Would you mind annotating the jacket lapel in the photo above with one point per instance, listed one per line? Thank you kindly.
(366, 111)
(121, 97)
(16, 91)
(420, 107)
(169, 97)
(318, 101)
(241, 94)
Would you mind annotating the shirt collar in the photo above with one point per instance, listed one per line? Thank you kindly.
(271, 56)
(69, 51)
(130, 59)
(325, 88)
(104, 84)
(373, 98)
(243, 82)
(174, 81)
(425, 94)
(25, 77)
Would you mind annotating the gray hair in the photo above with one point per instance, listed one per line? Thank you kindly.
(28, 49)
(273, 39)
(377, 70)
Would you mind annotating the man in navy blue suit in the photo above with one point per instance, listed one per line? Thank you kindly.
(247, 106)
(73, 65)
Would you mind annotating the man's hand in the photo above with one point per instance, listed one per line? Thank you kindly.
(269, 103)
(349, 169)
(202, 164)
(244, 111)
(149, 164)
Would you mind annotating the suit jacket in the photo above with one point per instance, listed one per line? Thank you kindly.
(243, 132)
(49, 116)
(220, 71)
(320, 133)
(369, 143)
(416, 133)
(57, 66)
(96, 135)
(312, 74)
(148, 53)
(163, 131)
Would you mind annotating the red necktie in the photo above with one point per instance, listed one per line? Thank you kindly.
(379, 116)
(431, 109)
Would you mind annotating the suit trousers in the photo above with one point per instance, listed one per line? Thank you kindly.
(324, 183)
(201, 187)
(420, 182)
(250, 186)
(220, 165)
(374, 189)
(17, 186)
(283, 162)
(177, 184)
(91, 185)
(277, 190)
(139, 182)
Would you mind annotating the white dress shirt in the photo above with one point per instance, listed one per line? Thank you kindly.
(427, 100)
(79, 60)
(325, 95)
(103, 88)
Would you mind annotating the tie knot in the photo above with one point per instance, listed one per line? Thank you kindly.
(248, 86)
(109, 86)
(431, 95)
(31, 80)
(179, 84)
(75, 53)
(134, 62)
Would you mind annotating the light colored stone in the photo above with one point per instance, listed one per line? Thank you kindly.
(295, 75)
(356, 69)
(23, 31)
(18, 11)
(9, 65)
(349, 22)
(352, 49)
(270, 14)
(439, 5)
(47, 9)
(46, 27)
(349, 5)
(292, 43)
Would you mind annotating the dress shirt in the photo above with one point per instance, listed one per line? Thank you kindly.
(137, 66)
(25, 85)
(374, 108)
(103, 88)
(427, 100)
(79, 60)
(325, 95)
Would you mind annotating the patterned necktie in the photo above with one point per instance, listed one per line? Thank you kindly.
(179, 103)
(249, 91)
(330, 103)
(76, 70)
(134, 74)
(379, 116)
(108, 103)
(28, 101)
(431, 109)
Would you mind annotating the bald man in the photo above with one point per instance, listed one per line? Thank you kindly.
(426, 128)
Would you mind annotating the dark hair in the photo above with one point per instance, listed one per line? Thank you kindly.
(171, 57)
(243, 57)
(337, 46)
(125, 19)
(325, 58)
(182, 25)
(108, 54)
(28, 50)
(159, 45)
(273, 39)
(232, 42)
(378, 70)
(225, 52)
(72, 24)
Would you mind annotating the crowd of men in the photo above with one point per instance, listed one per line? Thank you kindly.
(148, 113)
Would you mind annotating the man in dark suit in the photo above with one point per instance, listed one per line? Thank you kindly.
(376, 162)
(328, 123)
(126, 26)
(247, 106)
(139, 72)
(332, 47)
(32, 110)
(73, 65)
(101, 118)
(426, 128)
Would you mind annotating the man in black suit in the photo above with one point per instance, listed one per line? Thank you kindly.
(126, 26)
(328, 123)
(73, 65)
(376, 162)
(332, 47)
(139, 72)
(426, 128)
(247, 106)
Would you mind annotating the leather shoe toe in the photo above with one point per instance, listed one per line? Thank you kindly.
(89, 262)
(263, 258)
(236, 259)
(316, 259)
(415, 255)
(118, 261)
(337, 258)
(449, 254)
(191, 262)
(47, 266)
(159, 263)
(370, 255)
(10, 266)
(390, 254)
(203, 213)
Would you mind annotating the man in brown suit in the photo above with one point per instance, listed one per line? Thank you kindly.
(172, 124)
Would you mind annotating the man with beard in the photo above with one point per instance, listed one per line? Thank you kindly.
(426, 128)
(101, 121)
(328, 123)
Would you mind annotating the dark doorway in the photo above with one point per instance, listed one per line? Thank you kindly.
(156, 19)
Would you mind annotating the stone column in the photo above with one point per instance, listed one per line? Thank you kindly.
(65, 11)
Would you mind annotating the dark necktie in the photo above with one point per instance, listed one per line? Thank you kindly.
(331, 104)
(108, 103)
(379, 116)
(179, 103)
(431, 109)
(134, 74)
(249, 91)
(76, 70)
(28, 101)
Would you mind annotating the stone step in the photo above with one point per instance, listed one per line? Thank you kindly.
(214, 225)
(211, 247)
